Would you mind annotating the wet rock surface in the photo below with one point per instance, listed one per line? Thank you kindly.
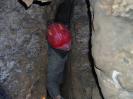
(23, 49)
(80, 78)
(112, 47)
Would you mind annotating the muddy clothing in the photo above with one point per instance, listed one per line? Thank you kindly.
(56, 65)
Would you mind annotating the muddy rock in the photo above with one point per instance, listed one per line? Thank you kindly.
(82, 83)
(112, 47)
(23, 49)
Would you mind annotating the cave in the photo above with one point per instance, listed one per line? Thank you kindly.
(99, 65)
(80, 79)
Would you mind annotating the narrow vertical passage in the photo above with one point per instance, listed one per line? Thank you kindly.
(63, 16)
(64, 12)
(92, 30)
(82, 84)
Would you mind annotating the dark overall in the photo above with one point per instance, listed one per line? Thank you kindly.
(56, 65)
(56, 58)
(3, 94)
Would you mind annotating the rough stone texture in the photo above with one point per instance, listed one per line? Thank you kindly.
(118, 7)
(29, 2)
(81, 82)
(112, 47)
(23, 49)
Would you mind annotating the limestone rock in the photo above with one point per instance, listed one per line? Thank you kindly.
(29, 2)
(121, 8)
(23, 49)
(112, 47)
(82, 84)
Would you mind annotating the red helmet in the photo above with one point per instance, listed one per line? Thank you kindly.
(59, 37)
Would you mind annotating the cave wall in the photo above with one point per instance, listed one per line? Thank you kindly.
(23, 48)
(81, 83)
(112, 47)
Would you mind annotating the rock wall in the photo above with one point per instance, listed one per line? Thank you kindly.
(23, 48)
(112, 47)
(81, 83)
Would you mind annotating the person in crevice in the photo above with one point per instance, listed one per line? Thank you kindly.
(59, 45)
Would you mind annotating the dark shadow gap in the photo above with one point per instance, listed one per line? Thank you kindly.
(91, 59)
(3, 94)
(34, 2)
(63, 15)
(23, 4)
(41, 3)
(64, 12)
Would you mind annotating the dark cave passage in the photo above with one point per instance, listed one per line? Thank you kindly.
(70, 13)
(80, 80)
(100, 59)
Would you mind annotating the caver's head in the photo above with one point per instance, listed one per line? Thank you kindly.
(59, 37)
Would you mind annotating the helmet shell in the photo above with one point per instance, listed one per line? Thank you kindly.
(59, 37)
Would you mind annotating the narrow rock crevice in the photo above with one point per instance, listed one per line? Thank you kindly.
(90, 57)
(81, 80)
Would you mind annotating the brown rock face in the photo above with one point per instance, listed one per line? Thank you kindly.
(112, 47)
